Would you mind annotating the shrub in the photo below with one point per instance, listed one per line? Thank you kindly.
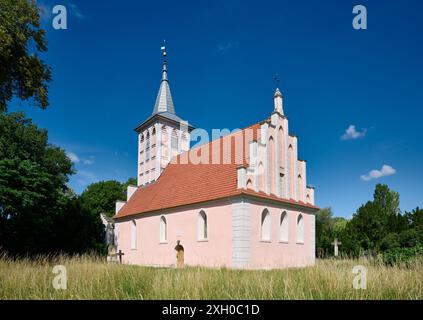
(390, 241)
(411, 238)
(401, 256)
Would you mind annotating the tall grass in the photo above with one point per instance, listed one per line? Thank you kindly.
(90, 277)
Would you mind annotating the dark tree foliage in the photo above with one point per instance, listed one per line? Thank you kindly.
(100, 197)
(327, 229)
(22, 73)
(38, 214)
(78, 229)
(378, 226)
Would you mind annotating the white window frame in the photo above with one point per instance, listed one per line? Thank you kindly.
(147, 148)
(284, 227)
(265, 226)
(163, 229)
(202, 232)
(300, 229)
(133, 235)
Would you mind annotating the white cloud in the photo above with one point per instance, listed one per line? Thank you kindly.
(84, 178)
(73, 157)
(76, 12)
(351, 133)
(81, 160)
(375, 174)
(88, 161)
(46, 10)
(221, 47)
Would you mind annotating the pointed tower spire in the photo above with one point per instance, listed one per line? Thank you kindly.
(164, 101)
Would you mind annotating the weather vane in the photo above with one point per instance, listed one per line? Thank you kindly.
(163, 48)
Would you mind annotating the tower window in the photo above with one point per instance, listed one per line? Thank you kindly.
(174, 143)
(147, 147)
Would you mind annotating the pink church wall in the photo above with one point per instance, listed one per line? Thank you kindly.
(217, 250)
(274, 253)
(181, 225)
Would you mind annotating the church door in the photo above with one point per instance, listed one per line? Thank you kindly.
(179, 256)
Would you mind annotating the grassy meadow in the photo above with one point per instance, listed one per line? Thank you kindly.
(90, 277)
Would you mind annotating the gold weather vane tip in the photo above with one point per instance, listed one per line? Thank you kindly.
(163, 48)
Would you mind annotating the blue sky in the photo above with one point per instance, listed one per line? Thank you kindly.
(222, 56)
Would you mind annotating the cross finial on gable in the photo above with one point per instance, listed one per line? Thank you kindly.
(278, 102)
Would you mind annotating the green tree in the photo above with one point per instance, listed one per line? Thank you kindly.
(414, 219)
(77, 229)
(35, 201)
(100, 197)
(376, 225)
(412, 236)
(22, 73)
(327, 229)
(130, 182)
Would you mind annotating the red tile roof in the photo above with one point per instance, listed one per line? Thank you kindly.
(188, 183)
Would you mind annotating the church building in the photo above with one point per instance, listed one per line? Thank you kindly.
(240, 201)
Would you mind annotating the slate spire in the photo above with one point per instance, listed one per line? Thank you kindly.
(164, 101)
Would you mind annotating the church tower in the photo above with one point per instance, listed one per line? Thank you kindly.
(162, 136)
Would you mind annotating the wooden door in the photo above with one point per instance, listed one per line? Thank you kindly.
(180, 257)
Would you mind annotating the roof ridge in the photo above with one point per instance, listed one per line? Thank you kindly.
(217, 139)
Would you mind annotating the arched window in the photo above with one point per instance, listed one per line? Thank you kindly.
(147, 147)
(284, 227)
(260, 176)
(265, 225)
(202, 226)
(133, 235)
(163, 229)
(271, 164)
(249, 184)
(300, 229)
